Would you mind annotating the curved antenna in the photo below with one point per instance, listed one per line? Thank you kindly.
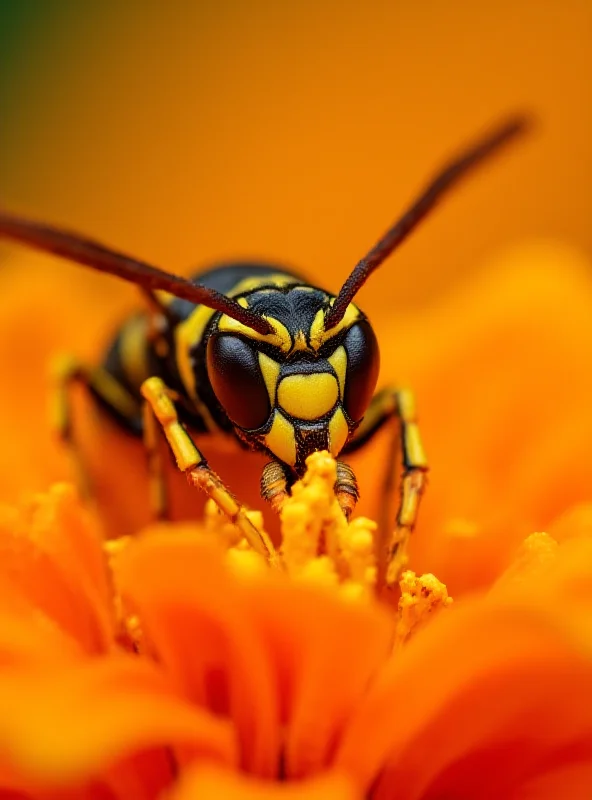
(448, 177)
(92, 254)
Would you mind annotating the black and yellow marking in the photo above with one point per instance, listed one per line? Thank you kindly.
(338, 432)
(160, 402)
(308, 396)
(275, 481)
(253, 351)
(398, 404)
(320, 335)
(156, 472)
(305, 397)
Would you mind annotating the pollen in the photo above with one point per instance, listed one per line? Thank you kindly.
(421, 597)
(536, 551)
(320, 547)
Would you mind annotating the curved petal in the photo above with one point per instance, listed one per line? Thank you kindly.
(77, 320)
(573, 781)
(265, 651)
(210, 783)
(192, 612)
(31, 639)
(50, 553)
(504, 674)
(497, 370)
(325, 652)
(65, 726)
(575, 522)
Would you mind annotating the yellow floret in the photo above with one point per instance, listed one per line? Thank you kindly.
(420, 596)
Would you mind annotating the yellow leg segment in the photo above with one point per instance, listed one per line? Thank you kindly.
(413, 483)
(399, 404)
(160, 406)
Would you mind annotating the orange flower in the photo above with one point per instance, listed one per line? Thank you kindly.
(174, 664)
(248, 669)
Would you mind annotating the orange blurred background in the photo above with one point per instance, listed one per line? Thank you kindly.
(185, 133)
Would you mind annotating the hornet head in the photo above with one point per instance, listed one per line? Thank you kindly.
(302, 387)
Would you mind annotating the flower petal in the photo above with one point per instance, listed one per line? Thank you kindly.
(210, 783)
(497, 370)
(192, 612)
(576, 521)
(573, 781)
(64, 727)
(325, 651)
(51, 553)
(500, 677)
(31, 639)
(281, 654)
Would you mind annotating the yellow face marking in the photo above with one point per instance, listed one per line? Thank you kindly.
(187, 334)
(308, 396)
(317, 329)
(270, 370)
(279, 338)
(318, 334)
(339, 363)
(338, 432)
(281, 440)
(300, 342)
(133, 350)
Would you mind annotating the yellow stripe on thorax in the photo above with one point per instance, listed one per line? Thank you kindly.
(277, 279)
(133, 350)
(164, 298)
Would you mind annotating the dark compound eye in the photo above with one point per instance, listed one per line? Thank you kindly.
(233, 368)
(363, 362)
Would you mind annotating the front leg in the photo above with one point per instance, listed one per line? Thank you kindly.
(392, 403)
(160, 408)
(276, 481)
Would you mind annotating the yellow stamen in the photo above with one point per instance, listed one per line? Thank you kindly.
(312, 520)
(245, 562)
(536, 551)
(420, 596)
(358, 552)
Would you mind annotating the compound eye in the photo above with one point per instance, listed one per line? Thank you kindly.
(363, 363)
(233, 368)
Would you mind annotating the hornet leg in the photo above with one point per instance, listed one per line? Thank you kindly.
(160, 406)
(398, 404)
